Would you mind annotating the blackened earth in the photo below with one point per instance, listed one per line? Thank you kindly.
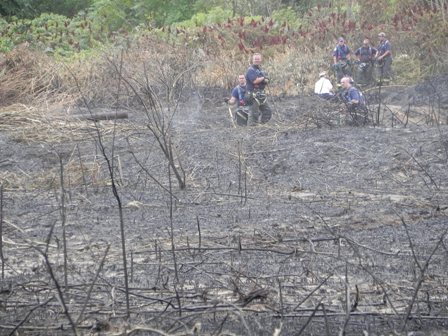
(302, 225)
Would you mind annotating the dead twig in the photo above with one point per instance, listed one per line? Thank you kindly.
(199, 234)
(347, 302)
(421, 279)
(310, 318)
(110, 166)
(425, 171)
(17, 327)
(173, 246)
(63, 219)
(312, 292)
(142, 329)
(55, 281)
(2, 257)
(89, 292)
(411, 244)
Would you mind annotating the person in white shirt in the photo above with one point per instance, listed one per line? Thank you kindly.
(323, 87)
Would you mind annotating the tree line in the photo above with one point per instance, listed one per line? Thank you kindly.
(164, 12)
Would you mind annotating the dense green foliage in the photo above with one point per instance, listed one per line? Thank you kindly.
(33, 8)
(417, 28)
(50, 32)
(9, 7)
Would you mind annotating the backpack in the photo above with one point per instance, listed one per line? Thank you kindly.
(341, 52)
(369, 52)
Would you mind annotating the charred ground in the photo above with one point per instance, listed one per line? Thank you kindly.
(301, 226)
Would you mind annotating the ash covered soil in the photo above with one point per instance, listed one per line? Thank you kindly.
(301, 226)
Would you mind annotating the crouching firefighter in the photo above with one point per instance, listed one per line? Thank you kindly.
(256, 99)
(239, 98)
(357, 112)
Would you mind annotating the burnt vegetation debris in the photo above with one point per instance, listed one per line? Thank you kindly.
(130, 205)
(306, 225)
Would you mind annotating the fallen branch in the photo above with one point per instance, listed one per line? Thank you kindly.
(102, 116)
(27, 316)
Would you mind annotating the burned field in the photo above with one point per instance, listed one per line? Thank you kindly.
(303, 226)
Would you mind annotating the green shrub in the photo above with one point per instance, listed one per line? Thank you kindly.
(213, 16)
(287, 15)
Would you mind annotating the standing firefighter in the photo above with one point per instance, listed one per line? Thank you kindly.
(257, 79)
(341, 59)
(239, 98)
(366, 56)
(384, 58)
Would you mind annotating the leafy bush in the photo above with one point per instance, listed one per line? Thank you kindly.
(295, 48)
(110, 15)
(287, 15)
(214, 16)
(29, 9)
(52, 33)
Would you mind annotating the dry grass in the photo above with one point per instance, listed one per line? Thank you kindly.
(33, 124)
(295, 70)
(79, 173)
(51, 128)
(291, 70)
(28, 76)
